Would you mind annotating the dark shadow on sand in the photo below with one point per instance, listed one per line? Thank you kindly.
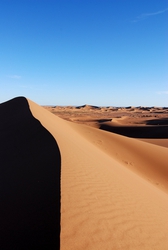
(152, 132)
(163, 121)
(30, 166)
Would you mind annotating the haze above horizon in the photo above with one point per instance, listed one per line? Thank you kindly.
(98, 52)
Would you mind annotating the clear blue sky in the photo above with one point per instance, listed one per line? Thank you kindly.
(75, 52)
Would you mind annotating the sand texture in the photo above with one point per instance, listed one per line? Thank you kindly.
(104, 171)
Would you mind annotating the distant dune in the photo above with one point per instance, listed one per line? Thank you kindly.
(146, 123)
(68, 184)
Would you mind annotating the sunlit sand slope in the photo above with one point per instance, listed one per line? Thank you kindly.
(113, 188)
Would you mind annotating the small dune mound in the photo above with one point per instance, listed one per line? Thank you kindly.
(87, 107)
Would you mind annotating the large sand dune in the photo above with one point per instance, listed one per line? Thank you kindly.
(30, 180)
(113, 189)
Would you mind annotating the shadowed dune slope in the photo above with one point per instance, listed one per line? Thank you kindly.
(105, 203)
(150, 132)
(30, 180)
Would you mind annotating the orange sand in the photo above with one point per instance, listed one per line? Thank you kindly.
(114, 189)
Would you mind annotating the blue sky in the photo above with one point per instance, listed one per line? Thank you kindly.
(75, 52)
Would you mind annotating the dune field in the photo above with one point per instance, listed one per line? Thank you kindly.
(84, 177)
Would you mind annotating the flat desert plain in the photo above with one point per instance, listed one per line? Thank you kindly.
(84, 177)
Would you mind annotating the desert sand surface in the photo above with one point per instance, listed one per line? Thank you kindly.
(147, 123)
(83, 177)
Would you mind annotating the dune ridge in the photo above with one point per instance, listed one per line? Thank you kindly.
(104, 204)
(112, 192)
(30, 180)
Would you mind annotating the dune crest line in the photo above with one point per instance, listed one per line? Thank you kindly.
(30, 180)
(104, 204)
(111, 185)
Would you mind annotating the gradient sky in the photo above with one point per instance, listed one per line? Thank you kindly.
(75, 52)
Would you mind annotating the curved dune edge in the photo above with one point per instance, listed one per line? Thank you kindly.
(159, 142)
(30, 180)
(104, 205)
(146, 160)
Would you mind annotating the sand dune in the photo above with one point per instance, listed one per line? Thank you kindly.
(146, 123)
(159, 142)
(30, 180)
(113, 189)
(159, 132)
